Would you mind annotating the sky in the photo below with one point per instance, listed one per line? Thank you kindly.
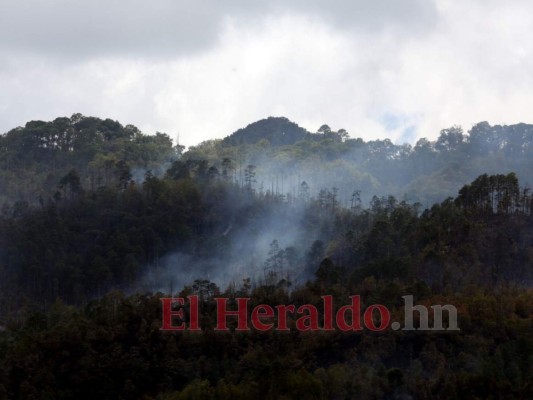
(205, 68)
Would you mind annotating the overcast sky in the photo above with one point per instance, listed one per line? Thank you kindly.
(204, 68)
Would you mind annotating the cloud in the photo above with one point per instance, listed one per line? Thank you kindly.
(406, 17)
(204, 69)
(75, 30)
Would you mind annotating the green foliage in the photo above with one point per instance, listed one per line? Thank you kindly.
(91, 211)
(37, 158)
(98, 240)
(426, 173)
(272, 131)
(113, 348)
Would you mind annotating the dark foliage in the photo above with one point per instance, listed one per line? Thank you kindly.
(68, 255)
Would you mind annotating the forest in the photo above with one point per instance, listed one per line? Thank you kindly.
(99, 221)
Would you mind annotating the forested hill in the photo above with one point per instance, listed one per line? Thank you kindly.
(202, 235)
(39, 160)
(425, 172)
(276, 131)
(43, 161)
(104, 230)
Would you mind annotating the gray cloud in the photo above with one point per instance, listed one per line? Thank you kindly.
(108, 28)
(407, 16)
(168, 28)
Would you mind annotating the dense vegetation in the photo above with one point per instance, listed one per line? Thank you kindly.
(35, 158)
(83, 268)
(427, 172)
(274, 154)
(113, 348)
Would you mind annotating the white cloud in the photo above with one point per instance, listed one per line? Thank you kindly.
(207, 69)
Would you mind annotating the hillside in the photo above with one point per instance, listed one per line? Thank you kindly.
(35, 160)
(276, 131)
(424, 172)
(83, 272)
(70, 331)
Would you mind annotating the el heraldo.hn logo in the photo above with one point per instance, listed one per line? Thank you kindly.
(183, 314)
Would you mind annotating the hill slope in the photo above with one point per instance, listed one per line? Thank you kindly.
(278, 131)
